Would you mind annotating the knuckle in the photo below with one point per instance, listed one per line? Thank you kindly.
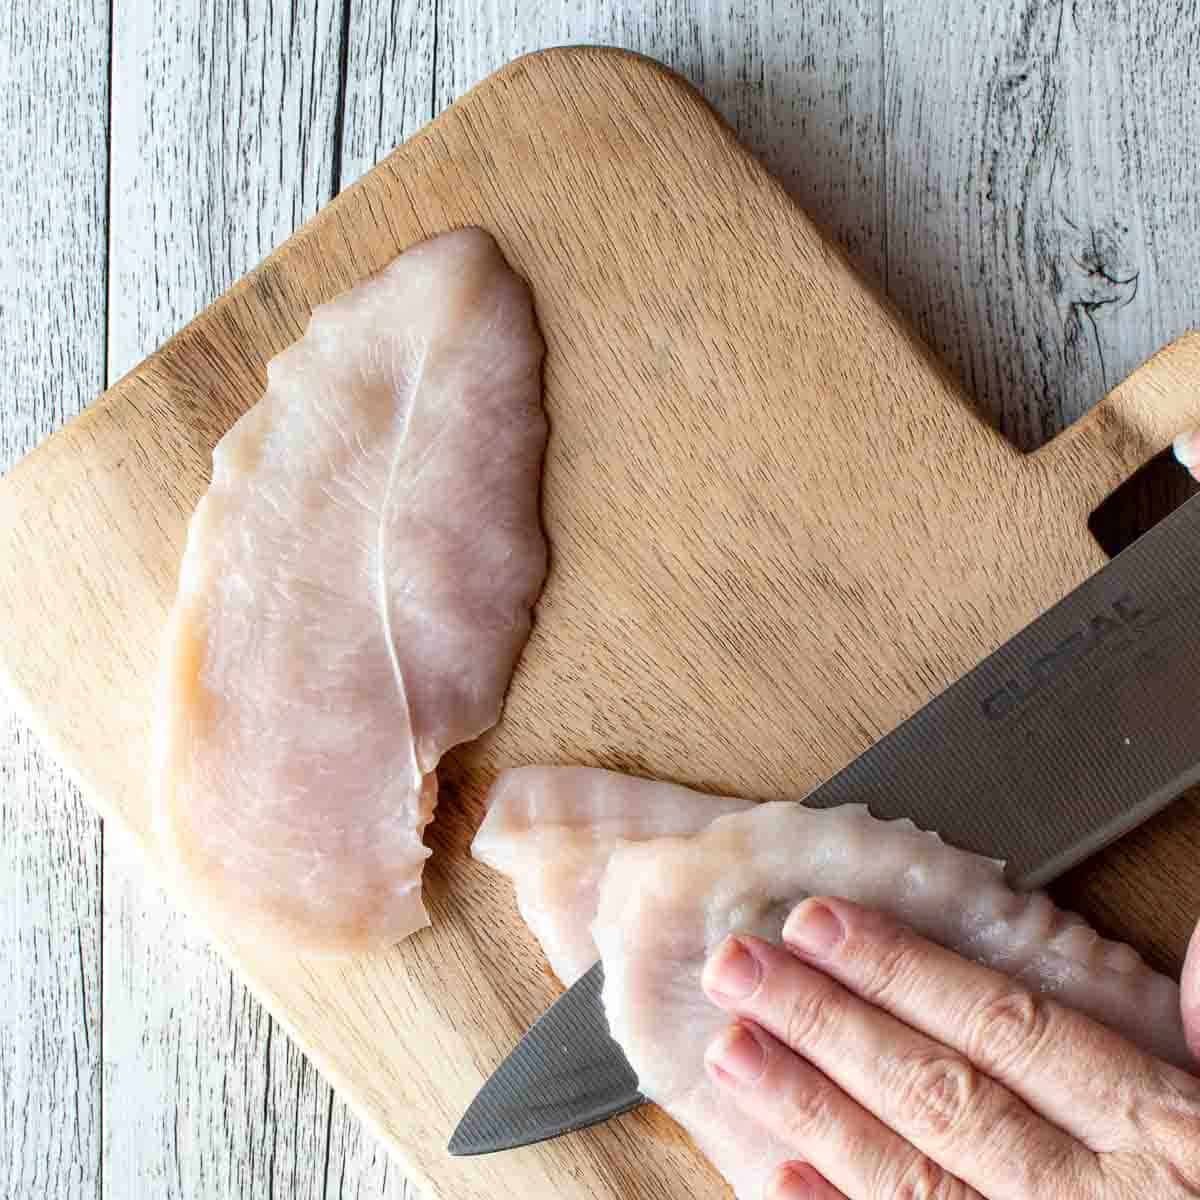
(809, 1014)
(937, 1095)
(922, 1179)
(1049, 1165)
(806, 1114)
(1134, 1176)
(1171, 1121)
(1008, 1029)
(885, 961)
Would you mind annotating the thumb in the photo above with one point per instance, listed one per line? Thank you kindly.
(1190, 995)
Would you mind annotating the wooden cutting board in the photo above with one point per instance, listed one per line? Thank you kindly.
(777, 529)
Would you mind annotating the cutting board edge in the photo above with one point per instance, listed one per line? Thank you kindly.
(331, 212)
(1134, 421)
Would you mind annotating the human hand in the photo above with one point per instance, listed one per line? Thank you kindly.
(895, 1068)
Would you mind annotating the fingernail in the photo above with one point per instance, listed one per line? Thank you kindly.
(793, 1181)
(732, 972)
(813, 928)
(738, 1053)
(1186, 450)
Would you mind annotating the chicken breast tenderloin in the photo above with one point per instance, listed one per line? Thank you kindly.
(663, 903)
(355, 592)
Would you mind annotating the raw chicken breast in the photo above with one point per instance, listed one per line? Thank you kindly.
(354, 595)
(552, 831)
(664, 903)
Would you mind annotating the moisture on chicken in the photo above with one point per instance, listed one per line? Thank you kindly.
(355, 592)
(669, 877)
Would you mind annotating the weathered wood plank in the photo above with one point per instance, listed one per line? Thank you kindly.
(223, 132)
(204, 1095)
(1041, 204)
(224, 140)
(359, 1168)
(52, 231)
(389, 80)
(50, 1024)
(799, 82)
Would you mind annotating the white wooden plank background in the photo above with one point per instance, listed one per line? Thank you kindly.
(1021, 179)
(52, 312)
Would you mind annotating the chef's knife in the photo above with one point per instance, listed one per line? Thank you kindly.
(1075, 731)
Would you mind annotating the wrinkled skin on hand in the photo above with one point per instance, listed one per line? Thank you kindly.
(893, 1067)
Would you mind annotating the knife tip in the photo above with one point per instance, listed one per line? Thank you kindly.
(474, 1136)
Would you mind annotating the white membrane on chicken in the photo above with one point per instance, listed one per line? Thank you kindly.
(660, 904)
(354, 595)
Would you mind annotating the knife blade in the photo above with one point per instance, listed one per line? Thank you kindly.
(571, 1057)
(1070, 734)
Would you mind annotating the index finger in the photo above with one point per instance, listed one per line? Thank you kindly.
(1071, 1069)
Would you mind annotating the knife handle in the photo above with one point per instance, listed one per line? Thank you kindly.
(1136, 421)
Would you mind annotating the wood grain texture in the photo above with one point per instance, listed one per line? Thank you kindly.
(206, 1096)
(52, 224)
(226, 136)
(224, 144)
(799, 83)
(1041, 193)
(752, 471)
(389, 91)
